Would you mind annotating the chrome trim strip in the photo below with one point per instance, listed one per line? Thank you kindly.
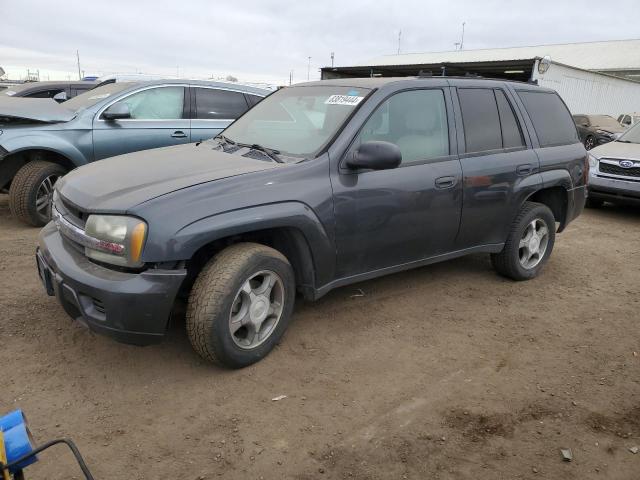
(78, 235)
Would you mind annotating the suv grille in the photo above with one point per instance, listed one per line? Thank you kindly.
(78, 217)
(618, 170)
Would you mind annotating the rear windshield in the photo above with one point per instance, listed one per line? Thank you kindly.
(551, 119)
(94, 96)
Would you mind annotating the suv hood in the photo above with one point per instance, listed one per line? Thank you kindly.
(630, 151)
(120, 183)
(36, 109)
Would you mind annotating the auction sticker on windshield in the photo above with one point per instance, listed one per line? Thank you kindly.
(343, 100)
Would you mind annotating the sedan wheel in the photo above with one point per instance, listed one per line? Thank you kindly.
(44, 196)
(589, 142)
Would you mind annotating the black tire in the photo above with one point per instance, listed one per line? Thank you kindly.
(213, 296)
(507, 262)
(594, 202)
(23, 193)
(589, 142)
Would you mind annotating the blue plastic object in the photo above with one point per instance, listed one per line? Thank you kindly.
(17, 439)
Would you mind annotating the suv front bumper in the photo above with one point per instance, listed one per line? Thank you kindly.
(129, 307)
(614, 189)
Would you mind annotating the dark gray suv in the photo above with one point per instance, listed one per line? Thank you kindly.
(318, 186)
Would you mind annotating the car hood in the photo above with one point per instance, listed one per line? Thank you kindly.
(610, 128)
(36, 109)
(120, 183)
(617, 150)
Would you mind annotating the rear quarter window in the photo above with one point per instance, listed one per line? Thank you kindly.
(551, 119)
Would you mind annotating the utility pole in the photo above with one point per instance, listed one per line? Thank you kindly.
(78, 57)
(309, 70)
(332, 57)
(399, 38)
(290, 77)
(462, 39)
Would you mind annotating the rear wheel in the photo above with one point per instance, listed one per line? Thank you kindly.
(240, 305)
(529, 244)
(31, 191)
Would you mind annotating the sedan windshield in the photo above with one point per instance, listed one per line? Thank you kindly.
(297, 121)
(632, 135)
(94, 96)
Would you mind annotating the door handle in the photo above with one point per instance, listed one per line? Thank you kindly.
(445, 182)
(524, 170)
(179, 134)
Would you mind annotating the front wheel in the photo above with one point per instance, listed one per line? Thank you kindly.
(240, 305)
(31, 191)
(529, 244)
(589, 142)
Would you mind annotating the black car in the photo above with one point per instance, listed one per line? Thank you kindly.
(596, 130)
(318, 186)
(59, 91)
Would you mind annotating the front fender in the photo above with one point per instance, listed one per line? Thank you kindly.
(44, 141)
(189, 239)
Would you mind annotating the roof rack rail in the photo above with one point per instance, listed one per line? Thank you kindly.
(425, 73)
(472, 75)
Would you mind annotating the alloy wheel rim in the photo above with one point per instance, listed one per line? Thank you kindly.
(256, 309)
(44, 196)
(590, 143)
(533, 244)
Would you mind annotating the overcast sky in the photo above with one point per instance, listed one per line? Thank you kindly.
(264, 40)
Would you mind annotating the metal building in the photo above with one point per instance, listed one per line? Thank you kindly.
(592, 77)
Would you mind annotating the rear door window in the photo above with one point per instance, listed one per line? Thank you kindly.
(511, 132)
(214, 104)
(480, 119)
(551, 119)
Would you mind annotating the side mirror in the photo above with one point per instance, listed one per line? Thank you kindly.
(60, 97)
(375, 156)
(117, 111)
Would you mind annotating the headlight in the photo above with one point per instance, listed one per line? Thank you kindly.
(120, 239)
(593, 161)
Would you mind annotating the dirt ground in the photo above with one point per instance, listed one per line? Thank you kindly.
(445, 372)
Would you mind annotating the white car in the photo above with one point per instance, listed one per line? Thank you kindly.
(629, 119)
(614, 170)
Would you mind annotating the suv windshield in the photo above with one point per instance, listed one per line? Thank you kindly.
(632, 135)
(94, 96)
(604, 121)
(297, 121)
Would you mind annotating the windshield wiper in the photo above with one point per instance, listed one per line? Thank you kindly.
(225, 139)
(624, 141)
(271, 153)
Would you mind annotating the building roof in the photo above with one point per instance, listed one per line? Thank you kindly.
(602, 56)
